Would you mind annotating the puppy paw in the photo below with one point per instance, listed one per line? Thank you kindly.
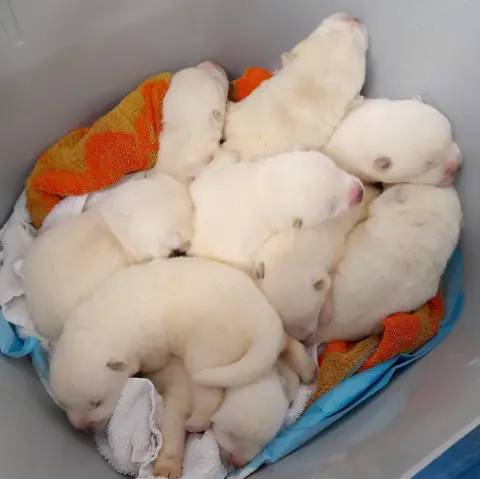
(168, 466)
(194, 424)
(309, 373)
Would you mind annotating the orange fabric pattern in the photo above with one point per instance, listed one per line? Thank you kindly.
(251, 79)
(123, 141)
(403, 333)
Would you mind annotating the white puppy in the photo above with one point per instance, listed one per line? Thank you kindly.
(193, 118)
(139, 220)
(306, 100)
(208, 314)
(252, 415)
(241, 205)
(293, 268)
(181, 399)
(393, 261)
(404, 141)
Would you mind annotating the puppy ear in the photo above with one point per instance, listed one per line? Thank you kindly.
(297, 223)
(356, 102)
(260, 270)
(320, 285)
(400, 195)
(384, 163)
(217, 116)
(288, 57)
(116, 364)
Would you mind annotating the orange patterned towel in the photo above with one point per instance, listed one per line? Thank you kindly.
(123, 141)
(403, 333)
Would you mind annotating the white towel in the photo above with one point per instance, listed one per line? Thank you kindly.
(132, 440)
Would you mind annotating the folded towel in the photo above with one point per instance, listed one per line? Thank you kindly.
(403, 333)
(123, 141)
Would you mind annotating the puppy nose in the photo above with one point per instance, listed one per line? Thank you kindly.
(345, 17)
(356, 194)
(452, 167)
(83, 426)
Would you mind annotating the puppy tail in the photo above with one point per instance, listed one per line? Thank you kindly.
(268, 341)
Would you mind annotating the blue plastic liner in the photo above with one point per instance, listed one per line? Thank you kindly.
(328, 408)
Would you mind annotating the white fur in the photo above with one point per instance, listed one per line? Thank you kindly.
(182, 399)
(415, 137)
(209, 314)
(250, 417)
(139, 220)
(306, 100)
(293, 268)
(193, 118)
(173, 383)
(241, 205)
(393, 261)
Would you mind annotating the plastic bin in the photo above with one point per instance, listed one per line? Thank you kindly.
(64, 62)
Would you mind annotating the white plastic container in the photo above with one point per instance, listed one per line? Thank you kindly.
(64, 62)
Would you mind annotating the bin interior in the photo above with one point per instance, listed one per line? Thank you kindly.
(65, 62)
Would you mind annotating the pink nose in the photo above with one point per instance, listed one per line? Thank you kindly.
(451, 168)
(87, 425)
(344, 17)
(356, 194)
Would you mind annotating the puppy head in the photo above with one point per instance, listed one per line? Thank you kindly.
(195, 105)
(151, 217)
(403, 141)
(303, 189)
(419, 205)
(340, 28)
(87, 380)
(249, 418)
(297, 291)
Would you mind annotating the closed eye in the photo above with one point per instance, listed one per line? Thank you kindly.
(430, 164)
(95, 404)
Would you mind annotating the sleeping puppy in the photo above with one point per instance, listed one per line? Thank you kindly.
(251, 416)
(306, 100)
(193, 117)
(393, 261)
(208, 314)
(139, 220)
(403, 141)
(293, 268)
(240, 205)
(181, 399)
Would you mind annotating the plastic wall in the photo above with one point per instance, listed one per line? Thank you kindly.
(64, 62)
